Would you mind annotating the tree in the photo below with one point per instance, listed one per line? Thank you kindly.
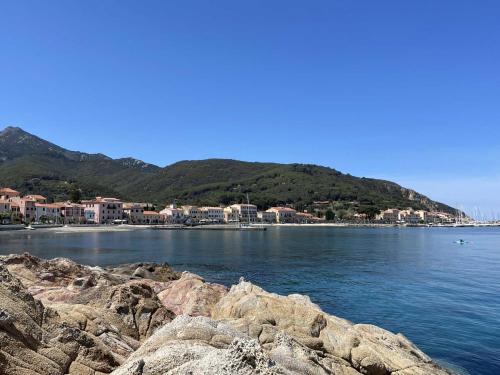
(329, 215)
(75, 195)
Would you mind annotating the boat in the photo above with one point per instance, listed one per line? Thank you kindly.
(29, 227)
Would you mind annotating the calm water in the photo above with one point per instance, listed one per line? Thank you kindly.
(443, 296)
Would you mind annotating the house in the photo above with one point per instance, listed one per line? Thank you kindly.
(305, 218)
(72, 213)
(8, 193)
(247, 213)
(193, 213)
(283, 214)
(27, 208)
(212, 214)
(134, 212)
(152, 217)
(103, 210)
(50, 213)
(173, 215)
(37, 198)
(266, 217)
(409, 216)
(5, 206)
(390, 215)
(231, 215)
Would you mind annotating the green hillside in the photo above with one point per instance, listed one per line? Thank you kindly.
(33, 165)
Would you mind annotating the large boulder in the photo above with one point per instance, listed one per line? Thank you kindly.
(366, 348)
(201, 346)
(34, 339)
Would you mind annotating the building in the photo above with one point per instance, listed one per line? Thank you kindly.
(48, 213)
(172, 215)
(212, 214)
(266, 217)
(26, 208)
(8, 193)
(5, 206)
(409, 216)
(305, 218)
(72, 213)
(192, 213)
(151, 217)
(390, 215)
(247, 213)
(134, 213)
(283, 214)
(231, 215)
(103, 210)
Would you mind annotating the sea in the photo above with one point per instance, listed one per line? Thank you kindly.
(442, 294)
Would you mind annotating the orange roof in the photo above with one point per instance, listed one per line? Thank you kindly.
(6, 190)
(151, 213)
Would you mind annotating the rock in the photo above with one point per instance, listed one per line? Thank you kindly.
(365, 348)
(191, 295)
(58, 317)
(185, 346)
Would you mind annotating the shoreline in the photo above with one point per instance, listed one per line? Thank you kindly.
(230, 227)
(180, 321)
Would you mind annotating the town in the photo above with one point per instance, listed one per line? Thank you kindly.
(35, 209)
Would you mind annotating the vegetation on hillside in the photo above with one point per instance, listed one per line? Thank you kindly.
(33, 165)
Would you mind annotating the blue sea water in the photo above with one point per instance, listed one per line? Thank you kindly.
(443, 296)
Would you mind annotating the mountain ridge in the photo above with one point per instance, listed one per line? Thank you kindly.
(34, 165)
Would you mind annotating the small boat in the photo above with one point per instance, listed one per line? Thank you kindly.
(29, 227)
(461, 242)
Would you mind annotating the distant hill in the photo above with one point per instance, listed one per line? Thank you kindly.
(31, 164)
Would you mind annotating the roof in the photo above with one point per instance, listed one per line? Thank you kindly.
(47, 205)
(151, 213)
(6, 190)
(36, 196)
(4, 201)
(286, 209)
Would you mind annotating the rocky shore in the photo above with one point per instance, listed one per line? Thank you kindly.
(59, 317)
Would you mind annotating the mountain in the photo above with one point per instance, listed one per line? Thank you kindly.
(31, 164)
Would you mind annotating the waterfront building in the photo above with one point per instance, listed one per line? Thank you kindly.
(409, 216)
(246, 212)
(212, 214)
(25, 207)
(72, 213)
(390, 215)
(50, 213)
(8, 193)
(266, 217)
(304, 218)
(105, 210)
(283, 214)
(152, 217)
(134, 213)
(89, 215)
(172, 215)
(5, 206)
(231, 215)
(193, 213)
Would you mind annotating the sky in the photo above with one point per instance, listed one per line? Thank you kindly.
(402, 90)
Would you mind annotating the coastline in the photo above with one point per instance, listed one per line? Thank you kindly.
(60, 229)
(146, 318)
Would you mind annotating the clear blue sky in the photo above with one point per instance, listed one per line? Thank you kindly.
(404, 90)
